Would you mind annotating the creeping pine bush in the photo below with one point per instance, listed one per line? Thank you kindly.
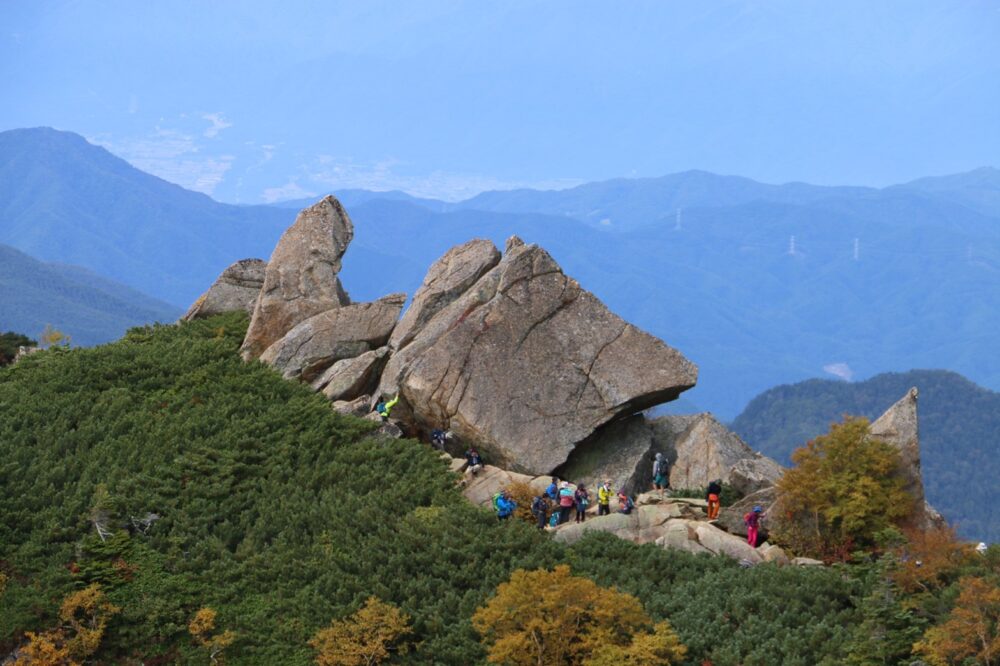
(178, 478)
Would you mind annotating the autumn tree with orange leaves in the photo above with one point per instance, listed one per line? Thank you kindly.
(365, 638)
(553, 618)
(972, 630)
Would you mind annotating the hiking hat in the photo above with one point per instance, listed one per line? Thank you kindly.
(758, 509)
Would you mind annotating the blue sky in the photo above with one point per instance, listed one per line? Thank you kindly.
(257, 101)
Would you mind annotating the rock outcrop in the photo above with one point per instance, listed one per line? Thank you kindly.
(731, 517)
(351, 378)
(898, 426)
(236, 289)
(339, 333)
(301, 279)
(526, 364)
(448, 278)
(708, 450)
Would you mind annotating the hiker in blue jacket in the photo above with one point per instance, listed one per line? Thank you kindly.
(505, 506)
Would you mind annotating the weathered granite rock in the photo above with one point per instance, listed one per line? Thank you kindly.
(479, 489)
(772, 553)
(525, 364)
(806, 562)
(386, 428)
(645, 524)
(448, 278)
(236, 289)
(680, 536)
(301, 277)
(340, 333)
(898, 426)
(708, 450)
(749, 475)
(360, 406)
(723, 543)
(352, 377)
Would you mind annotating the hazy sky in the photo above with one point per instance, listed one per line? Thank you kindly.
(256, 101)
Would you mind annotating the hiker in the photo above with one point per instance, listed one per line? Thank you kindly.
(473, 461)
(660, 472)
(752, 521)
(625, 503)
(604, 498)
(552, 492)
(582, 499)
(566, 502)
(713, 494)
(385, 408)
(540, 509)
(438, 438)
(981, 548)
(504, 505)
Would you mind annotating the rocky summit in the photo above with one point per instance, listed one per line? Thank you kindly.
(236, 289)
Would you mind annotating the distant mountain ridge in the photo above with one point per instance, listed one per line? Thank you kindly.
(959, 424)
(91, 309)
(758, 284)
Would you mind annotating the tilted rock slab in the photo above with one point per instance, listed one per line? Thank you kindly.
(526, 364)
(341, 333)
(898, 426)
(301, 277)
(236, 289)
(708, 450)
(351, 378)
(448, 278)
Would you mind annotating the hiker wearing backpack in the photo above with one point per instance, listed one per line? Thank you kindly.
(504, 505)
(473, 461)
(752, 521)
(604, 498)
(625, 503)
(582, 499)
(566, 502)
(540, 509)
(712, 494)
(660, 473)
(385, 408)
(438, 438)
(552, 492)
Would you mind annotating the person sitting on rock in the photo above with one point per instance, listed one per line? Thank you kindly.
(504, 505)
(438, 438)
(385, 408)
(540, 509)
(752, 521)
(566, 502)
(553, 490)
(582, 499)
(604, 498)
(625, 503)
(473, 461)
(660, 473)
(713, 495)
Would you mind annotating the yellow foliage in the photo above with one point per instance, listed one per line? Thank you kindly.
(523, 494)
(657, 648)
(87, 612)
(927, 558)
(201, 627)
(845, 486)
(46, 649)
(51, 337)
(552, 617)
(972, 630)
(364, 638)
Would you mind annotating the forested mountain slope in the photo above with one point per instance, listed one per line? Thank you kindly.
(85, 306)
(281, 515)
(959, 434)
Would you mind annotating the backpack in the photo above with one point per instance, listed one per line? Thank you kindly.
(538, 506)
(661, 468)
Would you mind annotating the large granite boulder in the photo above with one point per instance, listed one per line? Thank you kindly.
(749, 475)
(526, 364)
(448, 278)
(898, 426)
(708, 450)
(301, 277)
(339, 333)
(479, 489)
(350, 378)
(236, 289)
(731, 517)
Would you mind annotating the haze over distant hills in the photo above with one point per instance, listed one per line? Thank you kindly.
(89, 308)
(959, 425)
(759, 284)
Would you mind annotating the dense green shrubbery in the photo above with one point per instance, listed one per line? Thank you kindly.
(282, 515)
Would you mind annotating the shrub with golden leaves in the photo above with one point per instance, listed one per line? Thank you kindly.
(971, 634)
(202, 626)
(365, 638)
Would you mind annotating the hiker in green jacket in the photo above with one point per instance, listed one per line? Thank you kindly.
(385, 408)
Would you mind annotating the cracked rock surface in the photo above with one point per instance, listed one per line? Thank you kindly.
(301, 277)
(236, 289)
(526, 364)
(708, 450)
(340, 333)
